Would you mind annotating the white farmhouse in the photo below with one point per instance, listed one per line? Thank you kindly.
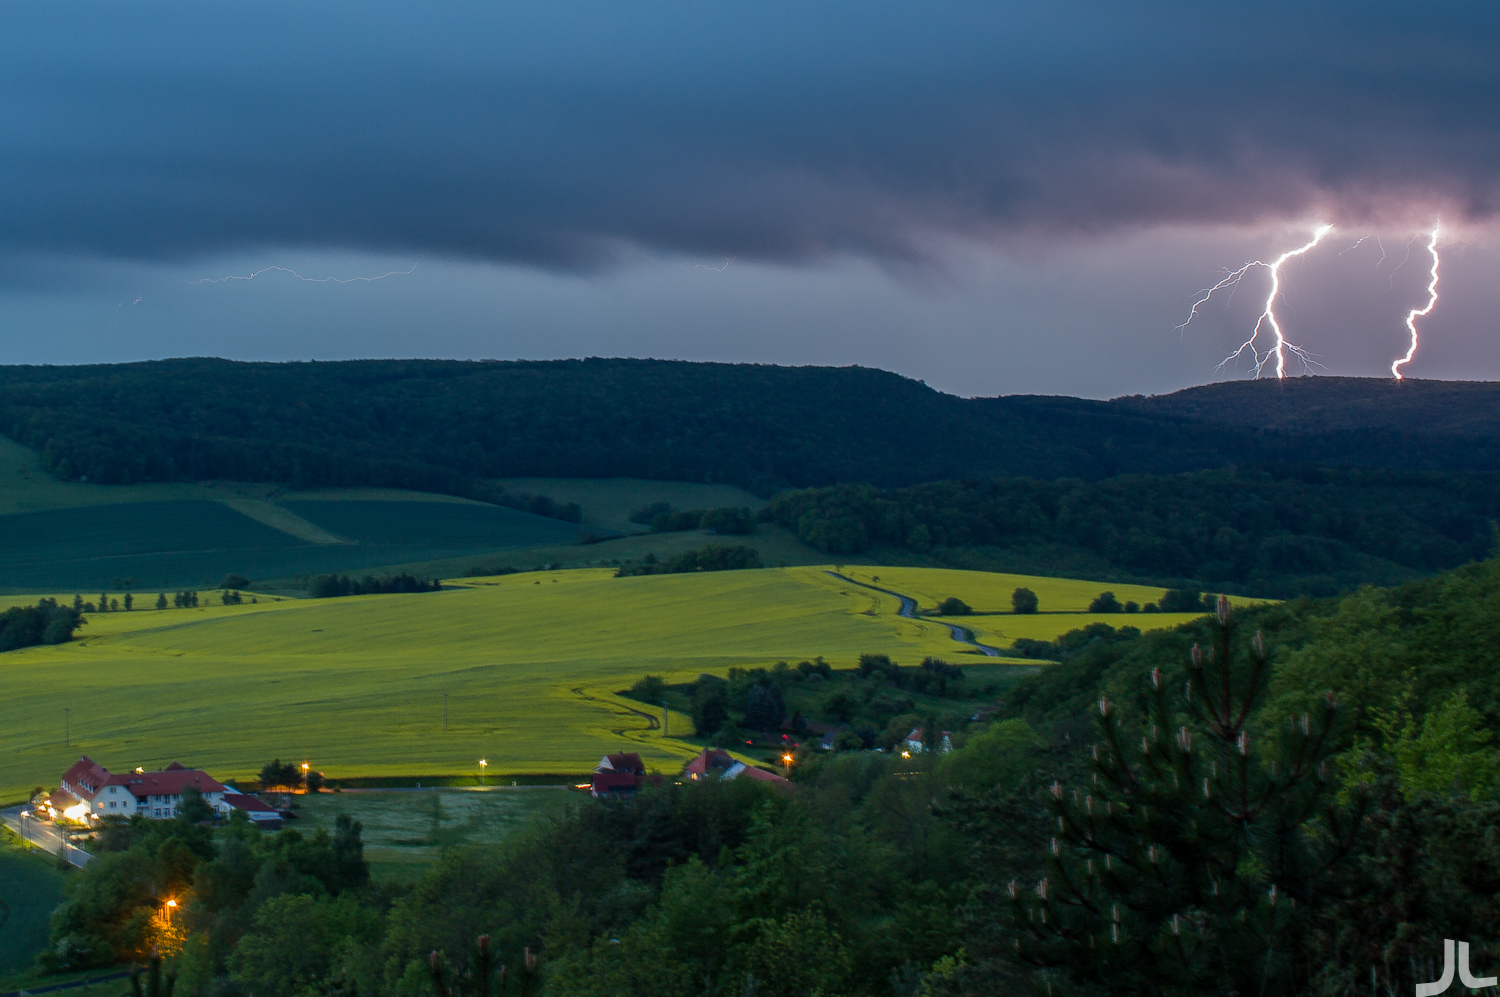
(99, 792)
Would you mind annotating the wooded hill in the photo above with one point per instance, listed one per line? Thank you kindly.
(444, 426)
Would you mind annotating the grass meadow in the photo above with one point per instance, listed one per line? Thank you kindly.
(404, 830)
(30, 886)
(525, 668)
(75, 536)
(608, 502)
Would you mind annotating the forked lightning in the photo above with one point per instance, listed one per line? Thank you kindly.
(1280, 347)
(1416, 313)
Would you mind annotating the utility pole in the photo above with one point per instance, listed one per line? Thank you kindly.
(445, 711)
(68, 726)
(666, 720)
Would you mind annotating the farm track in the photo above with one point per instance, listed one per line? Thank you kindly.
(652, 722)
(909, 611)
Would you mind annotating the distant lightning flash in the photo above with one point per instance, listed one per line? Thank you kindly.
(1280, 347)
(310, 280)
(1416, 313)
(705, 266)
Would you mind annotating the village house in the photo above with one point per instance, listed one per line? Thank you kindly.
(89, 790)
(913, 743)
(712, 763)
(618, 775)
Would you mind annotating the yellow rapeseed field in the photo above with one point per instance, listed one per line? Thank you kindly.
(528, 665)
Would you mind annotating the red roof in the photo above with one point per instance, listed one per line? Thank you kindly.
(62, 800)
(247, 803)
(87, 773)
(759, 775)
(627, 761)
(169, 782)
(90, 777)
(709, 758)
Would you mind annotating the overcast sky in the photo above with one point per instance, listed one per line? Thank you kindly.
(996, 198)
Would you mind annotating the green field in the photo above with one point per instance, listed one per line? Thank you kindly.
(193, 543)
(608, 502)
(405, 830)
(527, 664)
(30, 886)
(75, 536)
(433, 526)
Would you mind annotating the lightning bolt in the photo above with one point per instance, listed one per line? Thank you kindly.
(1416, 313)
(1267, 318)
(310, 280)
(705, 266)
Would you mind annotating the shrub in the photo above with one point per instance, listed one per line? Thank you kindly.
(650, 689)
(1185, 601)
(1023, 600)
(954, 606)
(646, 513)
(45, 623)
(1106, 603)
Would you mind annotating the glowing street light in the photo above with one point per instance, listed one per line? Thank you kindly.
(788, 760)
(482, 765)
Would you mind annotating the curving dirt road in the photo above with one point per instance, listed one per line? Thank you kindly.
(909, 610)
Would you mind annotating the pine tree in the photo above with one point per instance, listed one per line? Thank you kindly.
(161, 600)
(477, 981)
(1190, 862)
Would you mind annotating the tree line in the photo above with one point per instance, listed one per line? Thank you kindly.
(47, 622)
(661, 517)
(1278, 532)
(456, 426)
(711, 557)
(335, 586)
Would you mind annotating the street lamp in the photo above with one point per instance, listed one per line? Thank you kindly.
(304, 776)
(788, 760)
(482, 765)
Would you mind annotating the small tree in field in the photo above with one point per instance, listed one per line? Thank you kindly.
(1023, 600)
(1106, 603)
(161, 600)
(1187, 863)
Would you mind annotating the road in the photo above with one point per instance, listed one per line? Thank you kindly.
(43, 835)
(909, 610)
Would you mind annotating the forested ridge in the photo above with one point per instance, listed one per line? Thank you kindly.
(1294, 799)
(444, 426)
(1276, 532)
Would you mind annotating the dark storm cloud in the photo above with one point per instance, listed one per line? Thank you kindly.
(566, 134)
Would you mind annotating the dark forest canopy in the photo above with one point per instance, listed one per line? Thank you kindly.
(444, 426)
(1269, 532)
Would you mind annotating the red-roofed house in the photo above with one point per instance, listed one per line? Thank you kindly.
(151, 794)
(618, 775)
(713, 763)
(710, 762)
(260, 815)
(627, 761)
(915, 746)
